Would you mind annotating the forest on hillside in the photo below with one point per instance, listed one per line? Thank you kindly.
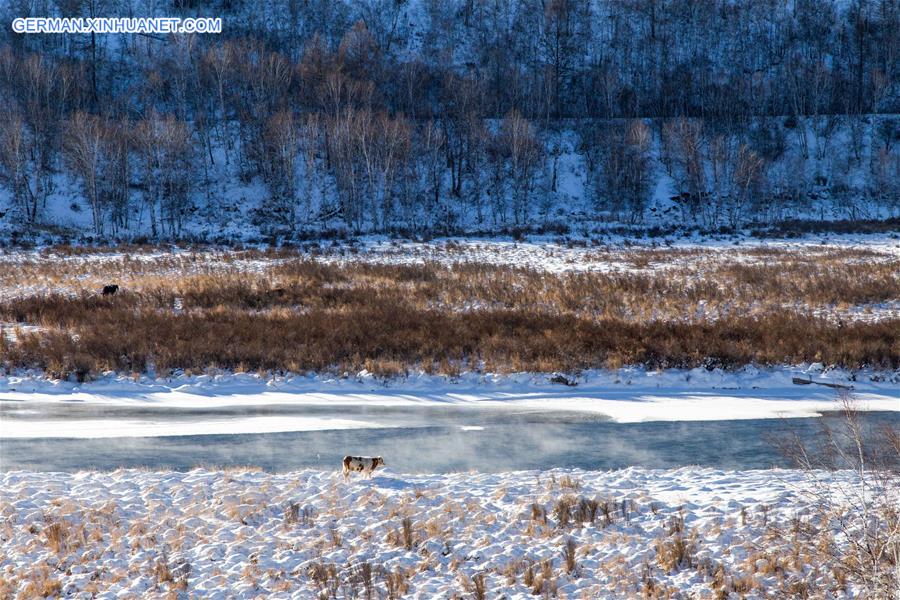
(450, 116)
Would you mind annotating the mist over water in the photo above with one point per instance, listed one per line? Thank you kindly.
(415, 440)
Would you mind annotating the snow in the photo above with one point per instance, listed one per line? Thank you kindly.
(627, 395)
(122, 428)
(544, 254)
(233, 530)
(554, 256)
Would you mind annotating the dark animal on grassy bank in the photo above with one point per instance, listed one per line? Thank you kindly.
(563, 380)
(110, 290)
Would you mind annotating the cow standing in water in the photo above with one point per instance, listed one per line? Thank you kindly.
(361, 464)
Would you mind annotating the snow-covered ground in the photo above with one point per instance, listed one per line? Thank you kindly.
(626, 395)
(541, 253)
(614, 254)
(298, 534)
(689, 532)
(26, 273)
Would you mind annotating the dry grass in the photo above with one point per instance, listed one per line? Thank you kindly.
(40, 583)
(302, 315)
(645, 560)
(569, 556)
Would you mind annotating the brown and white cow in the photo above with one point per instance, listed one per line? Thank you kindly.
(361, 464)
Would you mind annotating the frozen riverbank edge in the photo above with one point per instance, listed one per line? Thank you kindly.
(247, 533)
(625, 395)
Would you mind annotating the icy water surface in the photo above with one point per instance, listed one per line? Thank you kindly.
(426, 439)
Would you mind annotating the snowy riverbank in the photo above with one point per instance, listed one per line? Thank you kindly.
(626, 396)
(583, 534)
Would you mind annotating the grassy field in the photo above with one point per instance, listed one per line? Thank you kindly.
(323, 311)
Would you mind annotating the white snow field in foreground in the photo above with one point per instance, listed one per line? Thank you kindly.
(631, 533)
(627, 395)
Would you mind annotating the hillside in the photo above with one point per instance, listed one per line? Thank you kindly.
(572, 117)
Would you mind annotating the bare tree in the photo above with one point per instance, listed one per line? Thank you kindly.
(84, 152)
(431, 158)
(854, 479)
(563, 34)
(16, 167)
(218, 66)
(115, 175)
(684, 137)
(282, 148)
(523, 152)
(393, 150)
(352, 158)
(310, 142)
(749, 177)
(359, 52)
(163, 143)
(885, 173)
(620, 166)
